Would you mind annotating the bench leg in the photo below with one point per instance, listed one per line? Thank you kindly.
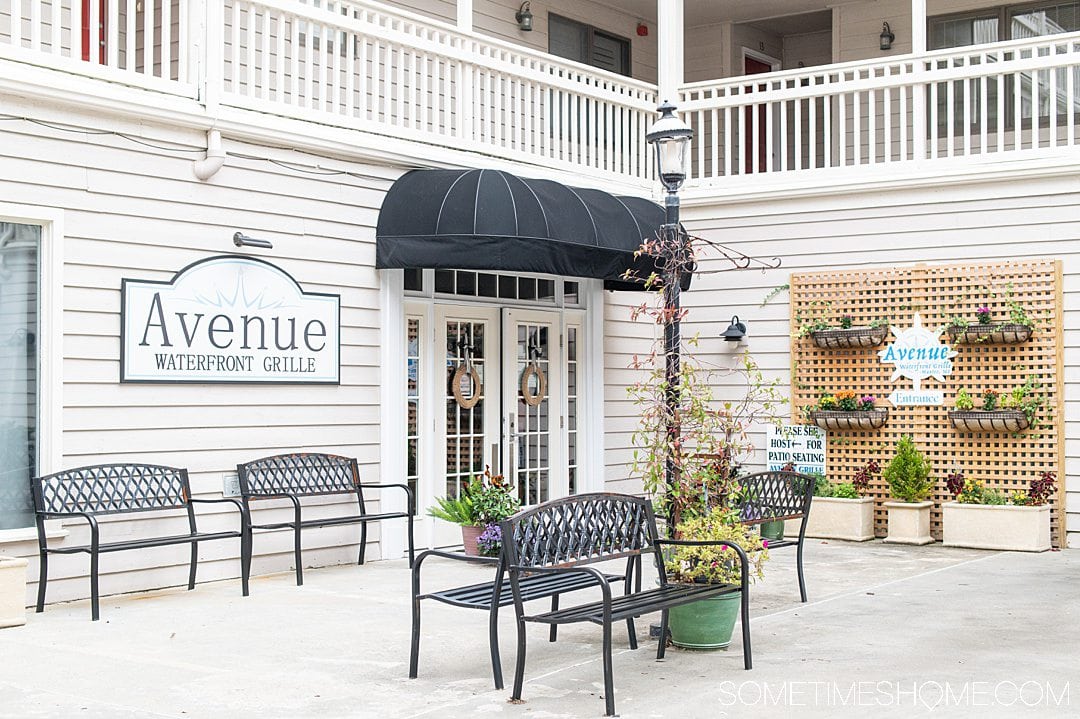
(95, 612)
(609, 681)
(661, 643)
(414, 645)
(412, 552)
(553, 633)
(519, 668)
(245, 561)
(745, 622)
(194, 564)
(799, 564)
(43, 579)
(493, 645)
(296, 556)
(363, 541)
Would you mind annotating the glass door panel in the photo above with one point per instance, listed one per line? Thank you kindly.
(533, 402)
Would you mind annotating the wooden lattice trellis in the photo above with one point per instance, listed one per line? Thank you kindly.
(1002, 460)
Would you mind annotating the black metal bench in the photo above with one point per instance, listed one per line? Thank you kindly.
(94, 491)
(292, 476)
(492, 595)
(778, 496)
(559, 538)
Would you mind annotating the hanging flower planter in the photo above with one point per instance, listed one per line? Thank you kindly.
(845, 419)
(999, 420)
(1007, 334)
(852, 337)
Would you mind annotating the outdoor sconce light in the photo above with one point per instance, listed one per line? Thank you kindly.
(736, 331)
(241, 240)
(524, 17)
(671, 137)
(887, 36)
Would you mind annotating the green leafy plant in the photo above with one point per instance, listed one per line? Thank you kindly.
(846, 322)
(975, 492)
(990, 400)
(486, 499)
(908, 473)
(845, 490)
(1027, 399)
(1038, 492)
(717, 564)
(964, 402)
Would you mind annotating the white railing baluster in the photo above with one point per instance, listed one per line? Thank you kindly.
(165, 39)
(35, 23)
(56, 28)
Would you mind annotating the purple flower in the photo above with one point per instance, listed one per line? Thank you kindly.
(765, 543)
(984, 310)
(490, 540)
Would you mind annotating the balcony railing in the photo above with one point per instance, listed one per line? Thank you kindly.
(362, 65)
(979, 102)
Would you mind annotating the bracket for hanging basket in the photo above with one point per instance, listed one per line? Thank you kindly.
(1007, 334)
(845, 419)
(851, 337)
(999, 420)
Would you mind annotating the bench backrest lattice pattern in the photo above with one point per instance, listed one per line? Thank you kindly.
(581, 529)
(774, 495)
(299, 475)
(109, 488)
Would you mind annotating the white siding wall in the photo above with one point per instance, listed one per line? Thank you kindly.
(983, 222)
(133, 211)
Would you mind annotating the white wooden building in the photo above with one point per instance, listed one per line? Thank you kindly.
(958, 142)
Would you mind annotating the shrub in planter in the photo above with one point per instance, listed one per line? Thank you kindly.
(839, 510)
(908, 475)
(984, 518)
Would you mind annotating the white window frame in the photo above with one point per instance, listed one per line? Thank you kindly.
(50, 342)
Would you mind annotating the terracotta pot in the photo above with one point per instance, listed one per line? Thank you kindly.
(469, 535)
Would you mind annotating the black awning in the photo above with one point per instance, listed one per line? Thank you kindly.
(492, 220)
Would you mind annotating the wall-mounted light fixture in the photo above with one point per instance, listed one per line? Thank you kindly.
(736, 331)
(241, 240)
(524, 17)
(886, 36)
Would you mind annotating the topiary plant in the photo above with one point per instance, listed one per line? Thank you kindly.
(908, 474)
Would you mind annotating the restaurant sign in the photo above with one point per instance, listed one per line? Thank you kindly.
(918, 354)
(229, 319)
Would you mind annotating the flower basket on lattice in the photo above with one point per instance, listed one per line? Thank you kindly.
(999, 420)
(852, 337)
(855, 419)
(978, 333)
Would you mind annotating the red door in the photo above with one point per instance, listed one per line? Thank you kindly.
(103, 10)
(754, 67)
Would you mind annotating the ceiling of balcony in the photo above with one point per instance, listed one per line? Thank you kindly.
(704, 12)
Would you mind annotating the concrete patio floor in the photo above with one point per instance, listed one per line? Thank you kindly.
(889, 632)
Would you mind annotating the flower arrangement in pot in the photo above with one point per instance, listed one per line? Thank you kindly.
(1013, 411)
(479, 507)
(1016, 326)
(709, 623)
(908, 476)
(982, 517)
(842, 510)
(847, 409)
(844, 333)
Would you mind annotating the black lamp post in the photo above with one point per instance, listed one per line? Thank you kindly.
(671, 138)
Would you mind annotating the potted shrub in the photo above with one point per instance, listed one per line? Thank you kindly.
(984, 518)
(1014, 411)
(841, 510)
(708, 624)
(479, 507)
(12, 591)
(847, 410)
(908, 475)
(1018, 327)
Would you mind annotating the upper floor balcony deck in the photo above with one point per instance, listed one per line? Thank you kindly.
(375, 78)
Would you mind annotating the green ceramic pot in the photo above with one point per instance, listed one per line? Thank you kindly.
(773, 529)
(705, 624)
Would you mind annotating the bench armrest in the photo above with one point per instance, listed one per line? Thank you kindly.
(457, 556)
(408, 492)
(89, 518)
(222, 500)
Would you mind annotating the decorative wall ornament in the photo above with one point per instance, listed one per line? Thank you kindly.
(533, 369)
(466, 369)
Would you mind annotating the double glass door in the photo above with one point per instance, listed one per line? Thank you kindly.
(501, 401)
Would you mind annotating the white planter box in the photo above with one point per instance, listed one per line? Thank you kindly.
(909, 522)
(12, 592)
(836, 518)
(983, 526)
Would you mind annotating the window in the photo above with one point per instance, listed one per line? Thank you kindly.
(1003, 23)
(19, 308)
(489, 285)
(584, 43)
(412, 405)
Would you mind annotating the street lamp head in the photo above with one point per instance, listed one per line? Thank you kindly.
(671, 137)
